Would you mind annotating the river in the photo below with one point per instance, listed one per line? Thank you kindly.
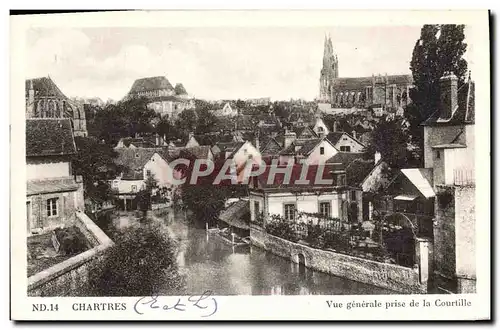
(209, 263)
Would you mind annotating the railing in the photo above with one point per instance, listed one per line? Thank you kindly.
(463, 177)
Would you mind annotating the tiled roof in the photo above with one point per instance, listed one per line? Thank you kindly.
(334, 137)
(133, 161)
(49, 137)
(151, 84)
(296, 174)
(229, 146)
(34, 187)
(345, 158)
(44, 86)
(235, 213)
(361, 82)
(304, 147)
(465, 112)
(199, 152)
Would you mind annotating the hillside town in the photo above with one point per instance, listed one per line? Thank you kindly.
(371, 185)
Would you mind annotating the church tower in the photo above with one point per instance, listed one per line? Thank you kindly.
(329, 71)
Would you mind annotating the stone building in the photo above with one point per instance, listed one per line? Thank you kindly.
(449, 150)
(164, 99)
(388, 92)
(45, 100)
(53, 194)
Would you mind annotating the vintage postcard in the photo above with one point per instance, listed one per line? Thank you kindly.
(250, 165)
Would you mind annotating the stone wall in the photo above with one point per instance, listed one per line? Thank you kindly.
(444, 239)
(68, 277)
(393, 277)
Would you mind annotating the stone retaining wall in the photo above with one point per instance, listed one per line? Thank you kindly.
(65, 278)
(389, 276)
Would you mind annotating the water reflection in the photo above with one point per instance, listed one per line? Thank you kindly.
(211, 264)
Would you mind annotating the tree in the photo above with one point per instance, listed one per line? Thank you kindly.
(205, 121)
(94, 161)
(168, 130)
(141, 263)
(124, 119)
(438, 50)
(390, 138)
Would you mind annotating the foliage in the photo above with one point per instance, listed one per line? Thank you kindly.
(124, 119)
(166, 129)
(205, 200)
(71, 240)
(143, 200)
(141, 263)
(391, 139)
(279, 226)
(445, 198)
(94, 161)
(438, 50)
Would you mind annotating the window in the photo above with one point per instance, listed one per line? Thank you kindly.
(136, 155)
(438, 154)
(148, 173)
(134, 188)
(325, 209)
(353, 195)
(256, 209)
(341, 180)
(345, 148)
(52, 207)
(322, 150)
(289, 211)
(115, 183)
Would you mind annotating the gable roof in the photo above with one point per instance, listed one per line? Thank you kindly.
(150, 84)
(334, 137)
(302, 147)
(421, 178)
(49, 137)
(133, 161)
(44, 86)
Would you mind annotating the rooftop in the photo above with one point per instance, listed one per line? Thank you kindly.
(49, 137)
(151, 84)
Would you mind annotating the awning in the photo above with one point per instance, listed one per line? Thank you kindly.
(405, 197)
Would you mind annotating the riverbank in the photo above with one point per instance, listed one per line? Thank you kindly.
(388, 276)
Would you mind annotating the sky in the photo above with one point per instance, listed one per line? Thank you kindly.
(213, 63)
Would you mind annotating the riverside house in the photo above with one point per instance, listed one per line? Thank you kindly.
(275, 196)
(53, 194)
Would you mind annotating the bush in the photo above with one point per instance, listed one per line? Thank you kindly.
(142, 262)
(279, 226)
(71, 239)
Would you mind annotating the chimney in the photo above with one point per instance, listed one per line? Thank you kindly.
(448, 95)
(157, 139)
(335, 126)
(354, 134)
(191, 135)
(377, 157)
(289, 138)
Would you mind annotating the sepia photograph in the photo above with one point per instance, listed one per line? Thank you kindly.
(229, 160)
